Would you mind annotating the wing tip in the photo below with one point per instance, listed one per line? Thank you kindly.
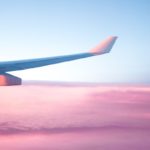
(105, 46)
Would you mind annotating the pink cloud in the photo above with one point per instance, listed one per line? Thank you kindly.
(82, 111)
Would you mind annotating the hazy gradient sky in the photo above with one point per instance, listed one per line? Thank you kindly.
(42, 28)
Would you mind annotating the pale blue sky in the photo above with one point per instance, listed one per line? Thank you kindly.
(42, 28)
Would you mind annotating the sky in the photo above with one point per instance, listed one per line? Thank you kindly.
(44, 28)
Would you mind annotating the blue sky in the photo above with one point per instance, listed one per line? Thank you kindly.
(42, 28)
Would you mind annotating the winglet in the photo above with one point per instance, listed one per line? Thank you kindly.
(104, 47)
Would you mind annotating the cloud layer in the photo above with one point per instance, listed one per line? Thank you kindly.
(51, 109)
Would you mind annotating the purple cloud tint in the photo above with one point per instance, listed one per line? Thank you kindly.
(83, 110)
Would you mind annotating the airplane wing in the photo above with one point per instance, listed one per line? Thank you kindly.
(102, 48)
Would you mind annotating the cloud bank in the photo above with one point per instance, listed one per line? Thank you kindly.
(53, 111)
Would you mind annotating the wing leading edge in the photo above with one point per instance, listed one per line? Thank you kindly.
(102, 48)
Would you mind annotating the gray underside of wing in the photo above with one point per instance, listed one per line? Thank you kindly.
(39, 62)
